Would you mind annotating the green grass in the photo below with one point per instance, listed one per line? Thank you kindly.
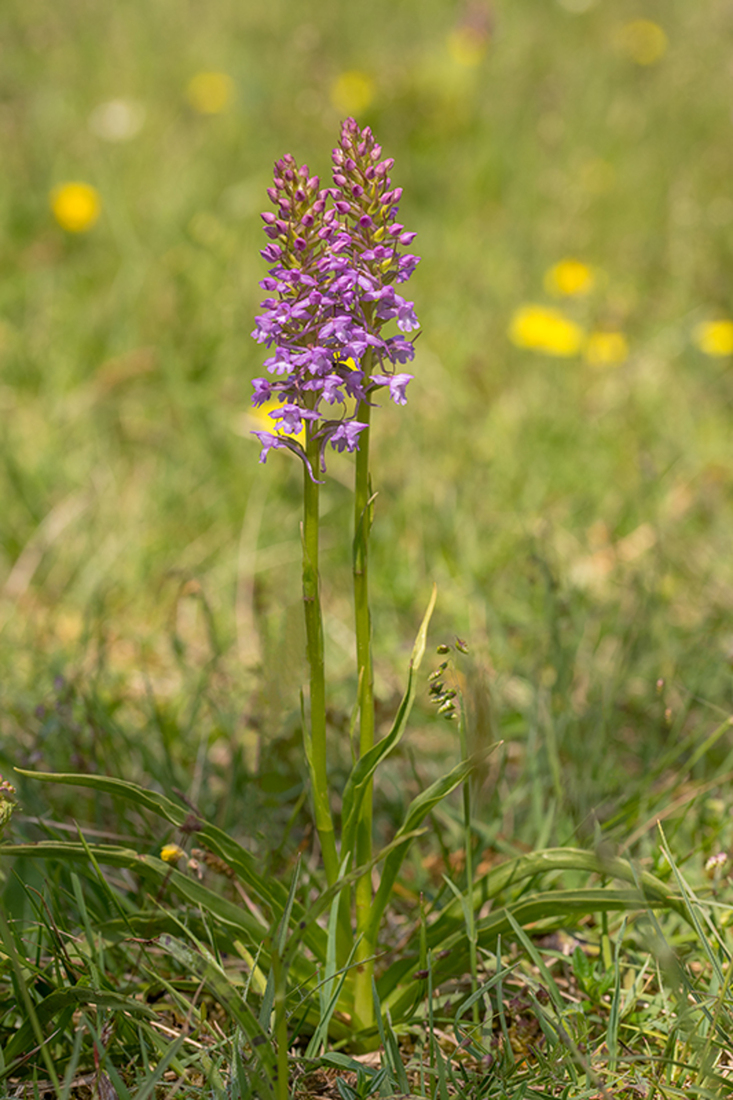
(577, 521)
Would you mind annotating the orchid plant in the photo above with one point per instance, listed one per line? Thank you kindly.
(338, 254)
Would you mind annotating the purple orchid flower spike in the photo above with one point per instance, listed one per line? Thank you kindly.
(336, 256)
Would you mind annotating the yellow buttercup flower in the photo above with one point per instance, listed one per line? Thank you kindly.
(352, 92)
(643, 41)
(606, 349)
(545, 330)
(210, 93)
(171, 853)
(467, 46)
(570, 277)
(715, 337)
(76, 206)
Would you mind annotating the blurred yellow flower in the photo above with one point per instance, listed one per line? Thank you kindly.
(171, 853)
(715, 337)
(606, 349)
(210, 93)
(644, 42)
(352, 92)
(569, 277)
(545, 330)
(75, 206)
(467, 45)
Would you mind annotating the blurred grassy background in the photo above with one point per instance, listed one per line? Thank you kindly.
(577, 517)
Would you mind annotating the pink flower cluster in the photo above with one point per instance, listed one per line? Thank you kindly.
(337, 255)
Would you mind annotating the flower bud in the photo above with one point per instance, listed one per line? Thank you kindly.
(171, 853)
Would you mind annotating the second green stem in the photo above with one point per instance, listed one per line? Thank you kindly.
(315, 735)
(363, 1000)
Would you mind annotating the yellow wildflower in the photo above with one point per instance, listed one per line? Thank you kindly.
(606, 349)
(210, 93)
(715, 337)
(570, 277)
(352, 92)
(643, 41)
(545, 330)
(467, 46)
(75, 206)
(171, 853)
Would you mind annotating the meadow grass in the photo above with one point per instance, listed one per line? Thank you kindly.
(575, 516)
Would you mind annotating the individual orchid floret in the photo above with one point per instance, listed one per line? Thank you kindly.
(397, 385)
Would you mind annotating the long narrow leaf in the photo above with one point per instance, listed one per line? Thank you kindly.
(418, 809)
(363, 771)
(270, 891)
(551, 860)
(151, 867)
(567, 905)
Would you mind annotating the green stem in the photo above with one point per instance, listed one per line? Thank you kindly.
(281, 1028)
(363, 999)
(468, 842)
(315, 734)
